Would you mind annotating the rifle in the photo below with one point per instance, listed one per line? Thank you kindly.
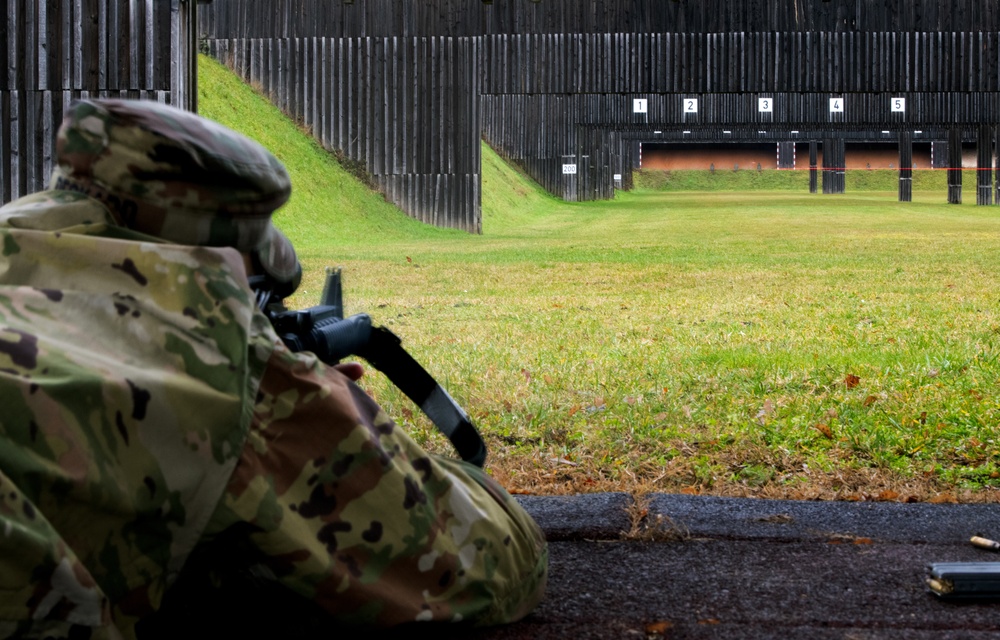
(325, 331)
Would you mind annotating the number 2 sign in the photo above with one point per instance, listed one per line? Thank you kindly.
(690, 105)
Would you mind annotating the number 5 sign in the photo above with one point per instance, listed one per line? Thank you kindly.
(898, 105)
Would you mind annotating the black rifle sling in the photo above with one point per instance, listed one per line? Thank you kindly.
(386, 353)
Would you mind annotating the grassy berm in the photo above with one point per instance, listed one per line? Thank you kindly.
(752, 343)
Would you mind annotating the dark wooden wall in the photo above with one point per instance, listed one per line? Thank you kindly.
(552, 82)
(54, 51)
(404, 108)
(379, 18)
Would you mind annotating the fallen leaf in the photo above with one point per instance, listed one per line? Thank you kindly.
(527, 374)
(658, 628)
(863, 541)
(852, 380)
(409, 259)
(574, 409)
(766, 411)
(709, 621)
(825, 430)
(870, 400)
(943, 498)
(888, 496)
(547, 378)
(690, 491)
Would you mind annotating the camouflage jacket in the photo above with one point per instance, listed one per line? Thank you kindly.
(147, 406)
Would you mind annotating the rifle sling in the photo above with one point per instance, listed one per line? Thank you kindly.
(386, 353)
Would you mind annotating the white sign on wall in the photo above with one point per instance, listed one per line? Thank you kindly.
(639, 105)
(569, 169)
(897, 105)
(765, 105)
(690, 105)
(836, 105)
(618, 176)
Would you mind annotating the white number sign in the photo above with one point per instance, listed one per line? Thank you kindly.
(836, 105)
(765, 105)
(569, 169)
(639, 105)
(690, 105)
(898, 105)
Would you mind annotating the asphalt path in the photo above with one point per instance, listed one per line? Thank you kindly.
(754, 569)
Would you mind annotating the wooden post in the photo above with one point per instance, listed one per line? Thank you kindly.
(955, 166)
(996, 147)
(905, 166)
(812, 166)
(984, 165)
(833, 165)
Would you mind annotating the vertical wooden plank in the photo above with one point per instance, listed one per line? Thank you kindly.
(955, 165)
(905, 166)
(15, 146)
(984, 165)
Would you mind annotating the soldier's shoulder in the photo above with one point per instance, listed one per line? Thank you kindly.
(53, 210)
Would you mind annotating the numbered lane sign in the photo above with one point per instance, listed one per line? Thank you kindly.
(690, 105)
(898, 105)
(836, 105)
(639, 105)
(569, 169)
(765, 105)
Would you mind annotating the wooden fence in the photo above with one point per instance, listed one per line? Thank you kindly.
(556, 85)
(405, 108)
(55, 51)
(471, 18)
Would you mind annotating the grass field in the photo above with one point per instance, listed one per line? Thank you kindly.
(775, 344)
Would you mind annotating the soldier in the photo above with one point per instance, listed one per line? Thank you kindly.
(149, 409)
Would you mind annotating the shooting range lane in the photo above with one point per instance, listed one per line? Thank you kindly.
(754, 569)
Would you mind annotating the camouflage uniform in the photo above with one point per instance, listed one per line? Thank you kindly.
(148, 408)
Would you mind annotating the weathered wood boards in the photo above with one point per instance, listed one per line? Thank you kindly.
(558, 83)
(54, 51)
(404, 108)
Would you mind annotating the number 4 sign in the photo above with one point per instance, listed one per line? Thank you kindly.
(836, 105)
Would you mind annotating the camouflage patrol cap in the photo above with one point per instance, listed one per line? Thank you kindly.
(172, 174)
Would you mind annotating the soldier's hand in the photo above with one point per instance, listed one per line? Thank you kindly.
(352, 370)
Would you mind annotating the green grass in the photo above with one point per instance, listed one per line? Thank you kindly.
(742, 343)
(886, 180)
